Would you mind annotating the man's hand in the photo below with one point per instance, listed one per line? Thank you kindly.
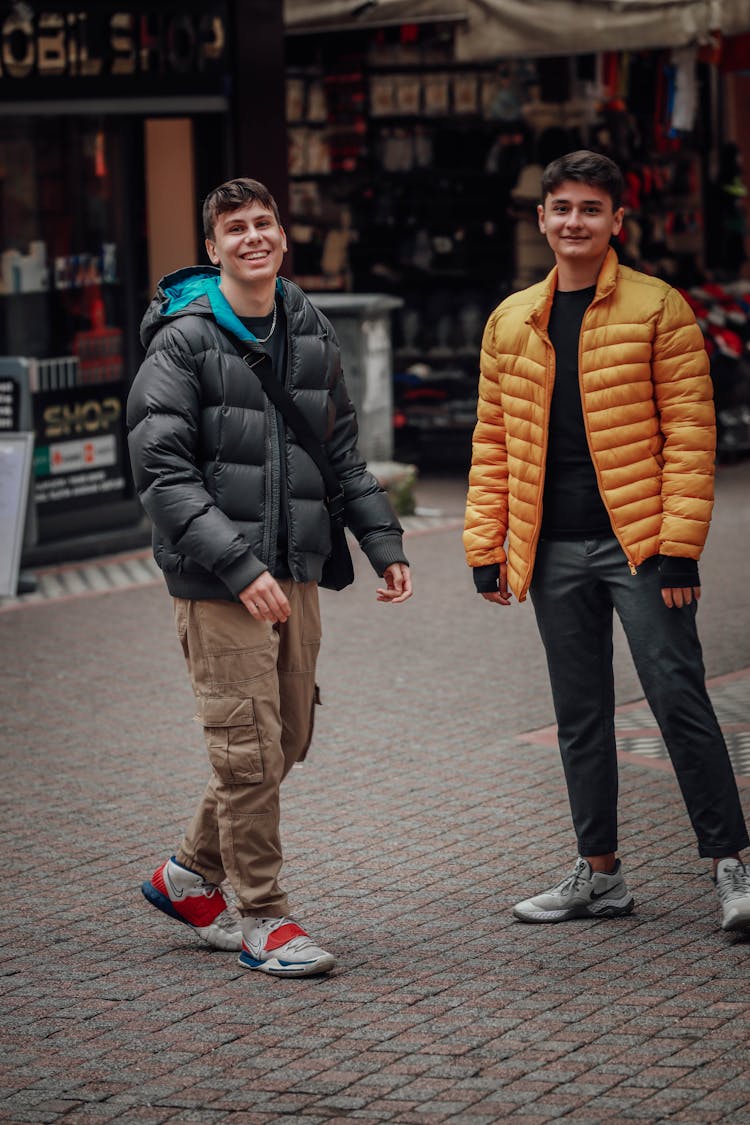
(398, 584)
(265, 600)
(501, 596)
(675, 597)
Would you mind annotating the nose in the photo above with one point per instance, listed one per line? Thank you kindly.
(574, 217)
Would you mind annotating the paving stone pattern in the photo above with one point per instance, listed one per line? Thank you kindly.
(428, 806)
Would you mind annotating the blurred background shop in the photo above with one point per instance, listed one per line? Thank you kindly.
(115, 120)
(404, 140)
(417, 136)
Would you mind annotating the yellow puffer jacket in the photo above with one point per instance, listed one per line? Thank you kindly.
(647, 407)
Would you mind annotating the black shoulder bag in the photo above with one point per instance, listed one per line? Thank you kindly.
(338, 570)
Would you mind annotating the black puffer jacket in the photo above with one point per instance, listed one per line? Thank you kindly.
(207, 451)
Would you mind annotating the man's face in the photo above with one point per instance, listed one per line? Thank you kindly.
(248, 244)
(578, 220)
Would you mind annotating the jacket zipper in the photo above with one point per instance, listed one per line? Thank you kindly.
(549, 386)
(271, 468)
(271, 524)
(284, 452)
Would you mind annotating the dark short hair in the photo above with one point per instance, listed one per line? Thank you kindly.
(585, 167)
(231, 196)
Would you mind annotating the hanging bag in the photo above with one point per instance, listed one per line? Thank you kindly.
(338, 569)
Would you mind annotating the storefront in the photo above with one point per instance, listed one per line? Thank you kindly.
(417, 146)
(115, 119)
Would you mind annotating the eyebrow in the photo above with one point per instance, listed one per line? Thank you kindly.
(584, 202)
(233, 217)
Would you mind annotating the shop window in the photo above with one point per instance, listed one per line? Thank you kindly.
(60, 251)
(63, 305)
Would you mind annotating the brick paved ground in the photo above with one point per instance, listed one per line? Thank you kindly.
(421, 816)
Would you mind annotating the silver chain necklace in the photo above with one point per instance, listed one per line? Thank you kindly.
(273, 325)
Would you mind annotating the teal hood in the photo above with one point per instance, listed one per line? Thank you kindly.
(193, 291)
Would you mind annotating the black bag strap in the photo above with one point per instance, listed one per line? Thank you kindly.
(260, 364)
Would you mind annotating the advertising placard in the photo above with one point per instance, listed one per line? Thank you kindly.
(79, 460)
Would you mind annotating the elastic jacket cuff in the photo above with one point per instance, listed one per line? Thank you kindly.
(678, 572)
(384, 551)
(241, 573)
(486, 578)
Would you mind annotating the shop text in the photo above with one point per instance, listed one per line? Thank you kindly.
(66, 419)
(55, 44)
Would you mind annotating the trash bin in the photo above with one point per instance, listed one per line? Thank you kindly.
(362, 322)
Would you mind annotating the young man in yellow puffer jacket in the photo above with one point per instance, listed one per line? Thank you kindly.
(591, 488)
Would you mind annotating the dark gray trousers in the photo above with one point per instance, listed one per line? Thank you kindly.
(576, 586)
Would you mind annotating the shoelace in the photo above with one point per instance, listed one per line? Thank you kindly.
(734, 883)
(227, 921)
(297, 944)
(572, 881)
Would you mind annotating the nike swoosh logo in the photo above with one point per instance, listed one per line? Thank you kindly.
(173, 892)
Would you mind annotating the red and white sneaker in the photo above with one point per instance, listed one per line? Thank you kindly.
(281, 947)
(185, 895)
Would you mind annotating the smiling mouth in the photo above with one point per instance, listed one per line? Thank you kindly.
(255, 256)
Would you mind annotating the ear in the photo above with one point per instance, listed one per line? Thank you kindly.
(540, 218)
(213, 257)
(617, 220)
(284, 246)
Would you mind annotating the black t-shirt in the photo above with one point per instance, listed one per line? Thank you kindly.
(572, 504)
(260, 326)
(275, 346)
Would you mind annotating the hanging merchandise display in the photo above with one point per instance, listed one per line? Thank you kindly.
(416, 174)
(723, 313)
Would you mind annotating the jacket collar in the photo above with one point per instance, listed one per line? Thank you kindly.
(538, 317)
(227, 318)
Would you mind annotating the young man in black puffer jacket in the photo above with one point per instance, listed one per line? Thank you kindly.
(241, 533)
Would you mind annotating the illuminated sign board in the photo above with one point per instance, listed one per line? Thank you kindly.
(119, 46)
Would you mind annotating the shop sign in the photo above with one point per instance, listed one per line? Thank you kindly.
(10, 405)
(79, 453)
(110, 42)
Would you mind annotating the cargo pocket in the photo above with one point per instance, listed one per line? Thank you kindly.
(232, 739)
(317, 702)
(179, 608)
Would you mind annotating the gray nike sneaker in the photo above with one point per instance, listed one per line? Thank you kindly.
(583, 894)
(733, 889)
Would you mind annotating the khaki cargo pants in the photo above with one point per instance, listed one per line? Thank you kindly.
(254, 685)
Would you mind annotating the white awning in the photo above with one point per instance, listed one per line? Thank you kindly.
(491, 29)
(505, 28)
(302, 16)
